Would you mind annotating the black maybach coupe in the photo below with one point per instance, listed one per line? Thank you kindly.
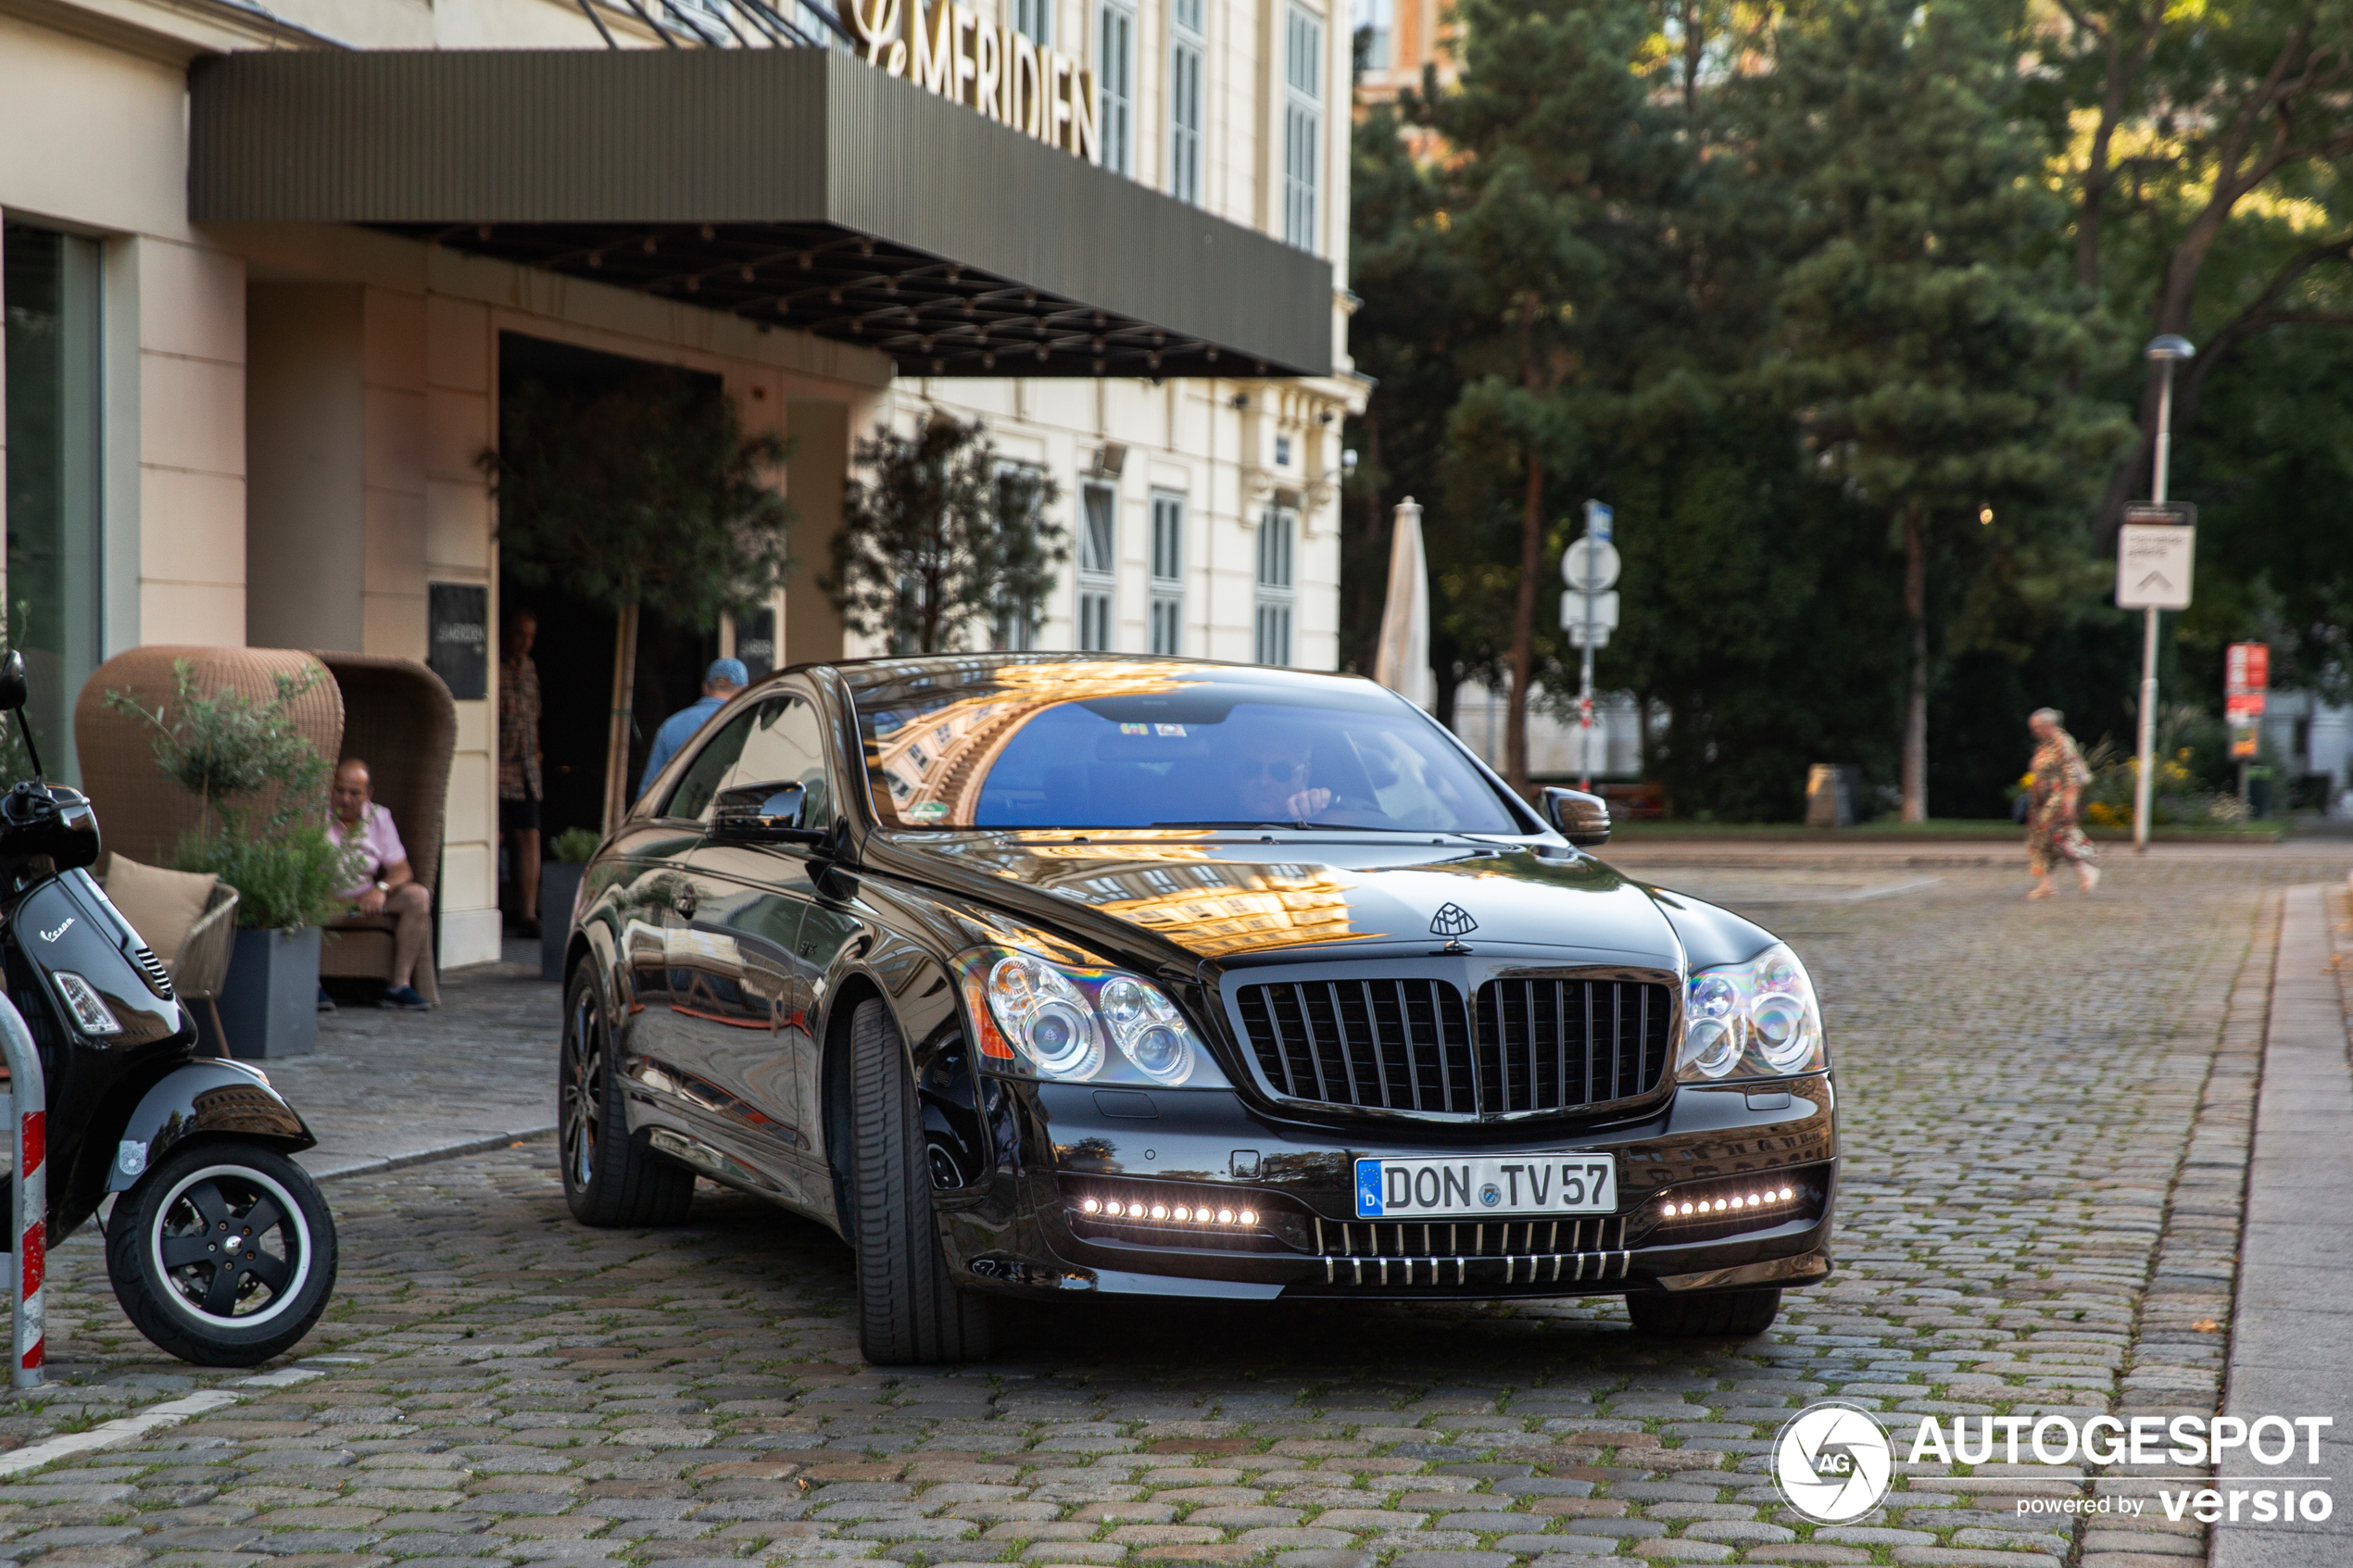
(1041, 973)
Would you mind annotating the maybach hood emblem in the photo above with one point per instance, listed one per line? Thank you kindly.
(1452, 920)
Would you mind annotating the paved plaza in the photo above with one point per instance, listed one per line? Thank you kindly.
(2047, 1114)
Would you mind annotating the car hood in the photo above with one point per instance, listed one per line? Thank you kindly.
(1233, 900)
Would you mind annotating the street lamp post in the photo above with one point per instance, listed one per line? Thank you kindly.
(2167, 351)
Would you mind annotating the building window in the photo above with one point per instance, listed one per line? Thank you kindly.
(1276, 528)
(1168, 574)
(1098, 557)
(1020, 489)
(1302, 126)
(1036, 19)
(50, 289)
(1373, 22)
(1188, 52)
(1116, 86)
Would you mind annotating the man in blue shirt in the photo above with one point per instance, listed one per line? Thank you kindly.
(723, 680)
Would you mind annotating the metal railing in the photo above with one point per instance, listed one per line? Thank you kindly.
(724, 24)
(25, 1103)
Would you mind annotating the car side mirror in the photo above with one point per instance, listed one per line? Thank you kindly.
(14, 691)
(764, 813)
(1582, 818)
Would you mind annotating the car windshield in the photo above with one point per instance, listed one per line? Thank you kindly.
(1024, 743)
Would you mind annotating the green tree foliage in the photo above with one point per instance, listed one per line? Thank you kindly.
(1558, 170)
(1927, 334)
(1826, 286)
(940, 537)
(648, 496)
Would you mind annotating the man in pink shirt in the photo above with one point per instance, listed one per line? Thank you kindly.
(388, 885)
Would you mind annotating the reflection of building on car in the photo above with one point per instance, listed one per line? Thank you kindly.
(1141, 976)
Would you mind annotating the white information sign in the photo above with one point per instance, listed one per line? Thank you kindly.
(1603, 607)
(2153, 566)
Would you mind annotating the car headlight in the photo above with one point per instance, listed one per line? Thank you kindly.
(1078, 1024)
(1753, 1020)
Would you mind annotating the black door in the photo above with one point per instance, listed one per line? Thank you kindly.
(757, 899)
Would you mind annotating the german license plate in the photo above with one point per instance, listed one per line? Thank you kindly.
(1485, 1187)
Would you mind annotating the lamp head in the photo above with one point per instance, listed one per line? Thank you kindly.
(2170, 346)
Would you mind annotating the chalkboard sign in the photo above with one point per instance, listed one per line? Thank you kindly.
(756, 642)
(457, 617)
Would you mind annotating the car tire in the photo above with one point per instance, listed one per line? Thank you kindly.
(909, 1312)
(1723, 1314)
(611, 1178)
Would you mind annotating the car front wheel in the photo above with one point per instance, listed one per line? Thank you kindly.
(908, 1309)
(609, 1178)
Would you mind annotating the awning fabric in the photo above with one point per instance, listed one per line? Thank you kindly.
(796, 186)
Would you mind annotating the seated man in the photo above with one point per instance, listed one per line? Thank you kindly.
(723, 680)
(387, 884)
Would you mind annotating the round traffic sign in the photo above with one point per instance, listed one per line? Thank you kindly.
(1590, 565)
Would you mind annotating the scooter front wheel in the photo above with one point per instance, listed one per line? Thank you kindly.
(224, 1254)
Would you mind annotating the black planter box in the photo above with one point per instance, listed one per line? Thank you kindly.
(269, 1003)
(558, 884)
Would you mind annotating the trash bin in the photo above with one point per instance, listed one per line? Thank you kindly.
(1831, 791)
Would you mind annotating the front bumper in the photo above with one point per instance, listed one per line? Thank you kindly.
(1028, 1232)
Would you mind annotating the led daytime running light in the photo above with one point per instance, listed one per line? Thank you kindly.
(1739, 1202)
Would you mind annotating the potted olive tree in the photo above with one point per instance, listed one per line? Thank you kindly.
(560, 874)
(262, 829)
(648, 496)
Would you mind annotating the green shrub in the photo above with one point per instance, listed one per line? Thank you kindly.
(293, 880)
(573, 847)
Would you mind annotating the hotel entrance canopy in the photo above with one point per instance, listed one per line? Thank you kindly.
(799, 187)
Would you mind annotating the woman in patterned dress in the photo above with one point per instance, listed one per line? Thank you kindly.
(2054, 825)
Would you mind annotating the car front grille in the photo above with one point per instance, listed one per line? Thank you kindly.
(1468, 1252)
(1526, 1045)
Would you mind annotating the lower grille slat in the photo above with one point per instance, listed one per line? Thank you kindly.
(1416, 1046)
(1526, 1254)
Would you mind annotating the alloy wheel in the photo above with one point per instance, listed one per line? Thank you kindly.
(583, 1089)
(233, 1244)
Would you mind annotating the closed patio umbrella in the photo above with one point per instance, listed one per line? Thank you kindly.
(1402, 662)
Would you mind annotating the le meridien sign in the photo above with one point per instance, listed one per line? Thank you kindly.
(949, 50)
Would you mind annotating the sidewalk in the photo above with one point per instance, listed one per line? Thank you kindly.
(2289, 1350)
(391, 1088)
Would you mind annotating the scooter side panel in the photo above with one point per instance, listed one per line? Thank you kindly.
(203, 1097)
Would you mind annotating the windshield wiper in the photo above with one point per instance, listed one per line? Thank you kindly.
(1235, 825)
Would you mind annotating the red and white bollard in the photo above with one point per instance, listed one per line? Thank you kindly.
(25, 1104)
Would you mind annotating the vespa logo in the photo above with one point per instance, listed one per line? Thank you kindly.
(53, 935)
(1451, 921)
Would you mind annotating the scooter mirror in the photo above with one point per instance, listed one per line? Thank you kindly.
(13, 691)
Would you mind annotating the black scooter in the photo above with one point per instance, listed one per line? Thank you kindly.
(220, 1247)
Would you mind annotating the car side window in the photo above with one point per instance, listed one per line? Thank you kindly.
(786, 744)
(690, 797)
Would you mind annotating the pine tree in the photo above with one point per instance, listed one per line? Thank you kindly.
(1556, 167)
(1927, 331)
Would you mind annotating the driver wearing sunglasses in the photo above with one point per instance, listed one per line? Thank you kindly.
(1273, 782)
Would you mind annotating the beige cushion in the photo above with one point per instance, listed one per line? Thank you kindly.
(160, 905)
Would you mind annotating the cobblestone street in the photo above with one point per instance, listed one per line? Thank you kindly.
(2045, 1114)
